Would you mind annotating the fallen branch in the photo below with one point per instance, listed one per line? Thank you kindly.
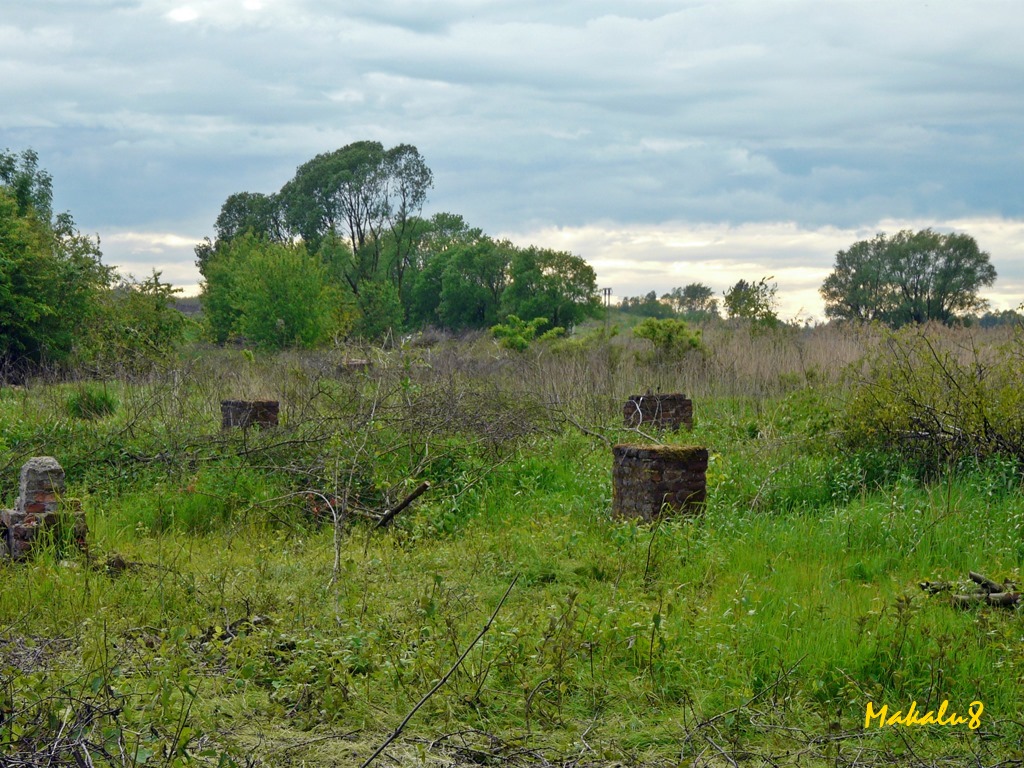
(1004, 599)
(385, 521)
(986, 584)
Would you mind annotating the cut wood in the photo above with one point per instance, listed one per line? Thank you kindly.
(985, 583)
(1004, 599)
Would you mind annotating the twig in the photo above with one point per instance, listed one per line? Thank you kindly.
(443, 680)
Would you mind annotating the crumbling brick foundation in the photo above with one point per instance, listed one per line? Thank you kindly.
(658, 411)
(651, 480)
(248, 413)
(40, 509)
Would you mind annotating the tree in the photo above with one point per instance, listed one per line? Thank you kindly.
(273, 294)
(556, 285)
(753, 301)
(365, 194)
(672, 338)
(908, 278)
(51, 275)
(647, 306)
(250, 212)
(695, 301)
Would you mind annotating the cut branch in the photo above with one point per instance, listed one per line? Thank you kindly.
(390, 515)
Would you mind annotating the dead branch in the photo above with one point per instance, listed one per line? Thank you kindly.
(388, 516)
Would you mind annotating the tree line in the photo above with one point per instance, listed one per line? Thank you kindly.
(342, 250)
(904, 278)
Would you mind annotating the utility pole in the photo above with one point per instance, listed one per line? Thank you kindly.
(607, 302)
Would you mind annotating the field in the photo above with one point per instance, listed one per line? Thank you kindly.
(239, 605)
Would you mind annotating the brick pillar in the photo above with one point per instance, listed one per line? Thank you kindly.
(672, 412)
(648, 480)
(248, 413)
(38, 507)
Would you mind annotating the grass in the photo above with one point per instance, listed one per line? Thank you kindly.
(224, 634)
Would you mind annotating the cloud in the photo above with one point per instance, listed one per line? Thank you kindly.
(540, 117)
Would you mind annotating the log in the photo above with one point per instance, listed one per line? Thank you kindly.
(986, 584)
(1003, 599)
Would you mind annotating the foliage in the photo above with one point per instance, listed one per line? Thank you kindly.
(51, 276)
(939, 403)
(753, 301)
(380, 311)
(365, 194)
(647, 305)
(908, 278)
(136, 327)
(696, 302)
(274, 294)
(516, 334)
(672, 338)
(555, 285)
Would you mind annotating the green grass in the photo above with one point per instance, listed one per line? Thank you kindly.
(762, 627)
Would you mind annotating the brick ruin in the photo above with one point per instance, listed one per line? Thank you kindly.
(40, 510)
(248, 413)
(651, 480)
(658, 411)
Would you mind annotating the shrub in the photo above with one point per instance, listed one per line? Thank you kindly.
(939, 402)
(671, 338)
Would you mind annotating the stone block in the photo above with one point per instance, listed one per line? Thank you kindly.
(249, 413)
(651, 480)
(658, 411)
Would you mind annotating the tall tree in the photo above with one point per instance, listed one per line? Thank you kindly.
(753, 301)
(361, 192)
(908, 278)
(51, 275)
(695, 300)
(556, 285)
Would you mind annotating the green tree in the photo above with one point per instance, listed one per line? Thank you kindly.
(379, 311)
(365, 194)
(753, 301)
(51, 275)
(443, 234)
(671, 338)
(695, 301)
(908, 278)
(473, 281)
(273, 294)
(137, 326)
(646, 306)
(556, 285)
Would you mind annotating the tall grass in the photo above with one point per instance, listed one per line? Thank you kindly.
(221, 612)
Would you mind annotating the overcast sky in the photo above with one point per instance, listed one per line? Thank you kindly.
(664, 142)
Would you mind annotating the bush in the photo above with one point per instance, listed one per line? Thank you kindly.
(937, 402)
(671, 338)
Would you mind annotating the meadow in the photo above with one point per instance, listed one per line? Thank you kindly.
(239, 604)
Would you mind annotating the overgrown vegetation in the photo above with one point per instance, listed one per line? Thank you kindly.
(240, 607)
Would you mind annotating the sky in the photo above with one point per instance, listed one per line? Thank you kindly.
(665, 142)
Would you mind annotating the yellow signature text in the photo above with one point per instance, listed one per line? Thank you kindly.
(914, 716)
